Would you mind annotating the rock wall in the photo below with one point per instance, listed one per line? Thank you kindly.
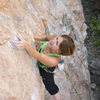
(19, 76)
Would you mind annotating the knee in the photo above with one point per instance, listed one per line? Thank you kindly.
(52, 89)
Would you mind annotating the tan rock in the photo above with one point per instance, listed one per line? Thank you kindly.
(19, 76)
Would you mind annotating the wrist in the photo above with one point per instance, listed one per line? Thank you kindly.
(26, 44)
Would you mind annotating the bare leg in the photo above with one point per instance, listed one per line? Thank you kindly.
(57, 96)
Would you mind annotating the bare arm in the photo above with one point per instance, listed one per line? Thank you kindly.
(47, 60)
(44, 37)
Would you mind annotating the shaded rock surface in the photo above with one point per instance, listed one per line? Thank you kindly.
(91, 10)
(19, 76)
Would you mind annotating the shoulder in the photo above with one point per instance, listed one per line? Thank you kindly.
(38, 44)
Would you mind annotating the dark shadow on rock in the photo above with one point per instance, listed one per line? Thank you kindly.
(91, 8)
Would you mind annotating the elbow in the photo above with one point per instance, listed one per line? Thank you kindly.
(52, 64)
(48, 61)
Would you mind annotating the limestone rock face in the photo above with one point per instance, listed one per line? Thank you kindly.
(19, 75)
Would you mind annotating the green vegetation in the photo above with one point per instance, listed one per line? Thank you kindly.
(95, 26)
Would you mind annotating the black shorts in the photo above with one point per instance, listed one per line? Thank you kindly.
(48, 80)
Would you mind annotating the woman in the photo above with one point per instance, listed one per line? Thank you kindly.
(48, 57)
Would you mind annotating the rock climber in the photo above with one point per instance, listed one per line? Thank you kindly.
(48, 57)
